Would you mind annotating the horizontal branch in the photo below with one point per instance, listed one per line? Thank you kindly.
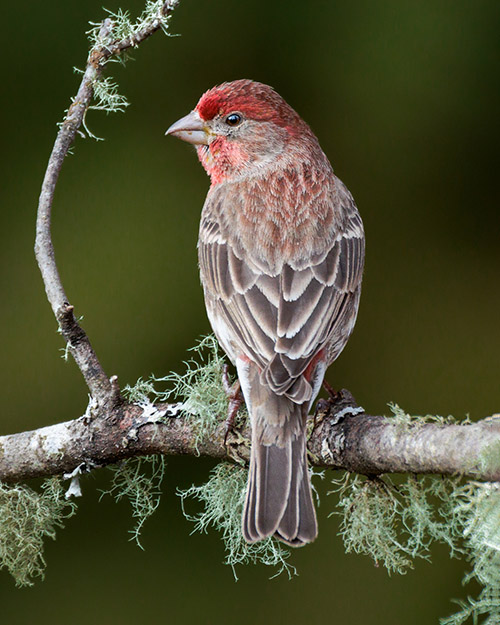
(344, 437)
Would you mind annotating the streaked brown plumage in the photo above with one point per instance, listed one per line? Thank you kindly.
(281, 253)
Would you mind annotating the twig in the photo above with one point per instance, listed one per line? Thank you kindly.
(75, 337)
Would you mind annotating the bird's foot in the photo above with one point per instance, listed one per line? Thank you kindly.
(333, 395)
(235, 399)
(325, 406)
(339, 405)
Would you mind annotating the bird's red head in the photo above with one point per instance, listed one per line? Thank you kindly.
(240, 128)
(253, 99)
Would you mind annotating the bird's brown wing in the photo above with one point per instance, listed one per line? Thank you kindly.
(282, 321)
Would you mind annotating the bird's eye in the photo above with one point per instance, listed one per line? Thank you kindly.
(233, 119)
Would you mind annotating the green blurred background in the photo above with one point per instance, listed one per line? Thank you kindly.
(404, 97)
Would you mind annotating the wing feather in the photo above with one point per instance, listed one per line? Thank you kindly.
(243, 278)
(294, 283)
(326, 271)
(293, 315)
(282, 319)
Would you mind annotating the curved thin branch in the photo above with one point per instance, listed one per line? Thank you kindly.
(79, 345)
(344, 438)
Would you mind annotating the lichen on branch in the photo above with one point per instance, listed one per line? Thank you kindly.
(222, 497)
(27, 518)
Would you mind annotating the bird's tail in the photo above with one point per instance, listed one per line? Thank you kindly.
(279, 498)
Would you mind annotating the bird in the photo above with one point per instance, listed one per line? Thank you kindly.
(281, 254)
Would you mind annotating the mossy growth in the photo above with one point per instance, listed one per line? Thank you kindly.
(120, 26)
(200, 390)
(490, 458)
(223, 497)
(27, 518)
(124, 27)
(477, 512)
(139, 481)
(394, 523)
(203, 401)
(405, 420)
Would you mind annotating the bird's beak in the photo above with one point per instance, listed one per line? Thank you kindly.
(190, 128)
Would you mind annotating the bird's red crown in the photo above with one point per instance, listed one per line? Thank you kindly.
(255, 100)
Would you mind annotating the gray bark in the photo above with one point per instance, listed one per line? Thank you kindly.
(344, 437)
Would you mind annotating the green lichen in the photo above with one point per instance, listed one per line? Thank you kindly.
(405, 420)
(489, 462)
(142, 391)
(138, 480)
(369, 512)
(223, 497)
(120, 27)
(477, 512)
(203, 402)
(27, 518)
(394, 523)
(200, 390)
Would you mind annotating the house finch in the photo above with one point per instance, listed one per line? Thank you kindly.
(281, 253)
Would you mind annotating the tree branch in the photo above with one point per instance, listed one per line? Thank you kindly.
(343, 438)
(78, 343)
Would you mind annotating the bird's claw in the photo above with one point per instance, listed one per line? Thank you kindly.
(235, 399)
(339, 405)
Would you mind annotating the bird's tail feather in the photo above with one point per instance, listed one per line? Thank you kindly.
(279, 497)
